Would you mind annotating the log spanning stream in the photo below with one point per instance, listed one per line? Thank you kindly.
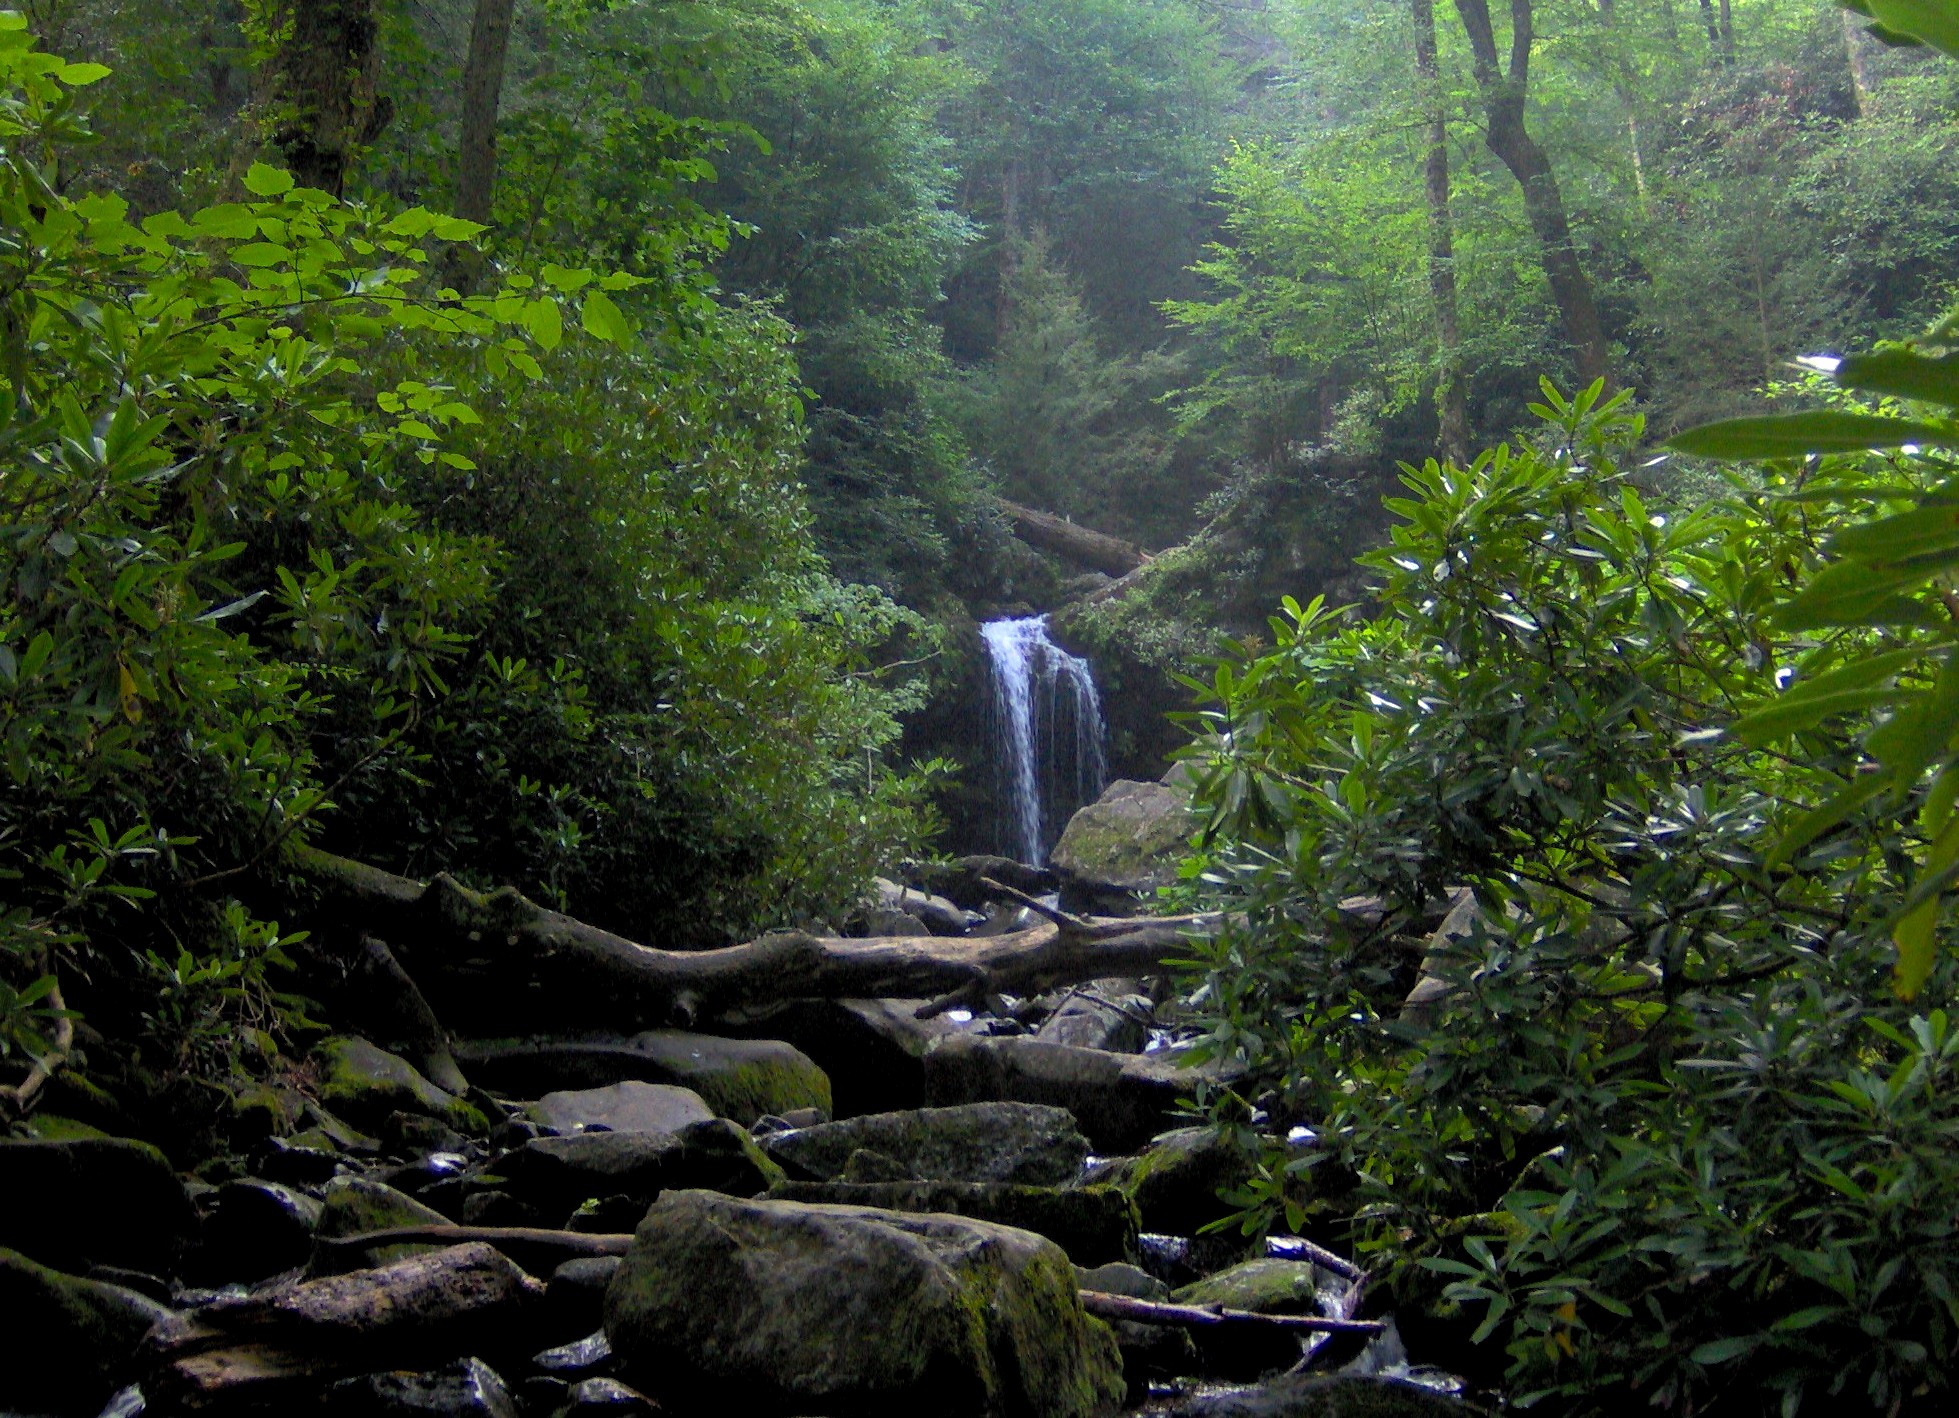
(1047, 732)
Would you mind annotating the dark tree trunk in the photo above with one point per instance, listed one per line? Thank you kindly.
(476, 157)
(1451, 393)
(1859, 61)
(1084, 545)
(1504, 97)
(323, 90)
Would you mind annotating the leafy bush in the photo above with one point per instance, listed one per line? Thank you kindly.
(1645, 1109)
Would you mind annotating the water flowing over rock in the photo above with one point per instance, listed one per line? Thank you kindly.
(1048, 732)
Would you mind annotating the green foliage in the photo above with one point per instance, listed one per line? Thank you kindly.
(268, 571)
(1649, 1120)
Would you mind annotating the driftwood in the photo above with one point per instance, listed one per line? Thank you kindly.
(510, 965)
(570, 1244)
(1123, 1307)
(1083, 545)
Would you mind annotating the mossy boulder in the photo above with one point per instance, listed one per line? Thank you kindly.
(782, 1307)
(1269, 1285)
(66, 1342)
(1124, 845)
(353, 1206)
(976, 1142)
(742, 1079)
(365, 1084)
(76, 1200)
(1094, 1225)
(1176, 1180)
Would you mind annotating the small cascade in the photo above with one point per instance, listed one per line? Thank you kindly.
(1047, 733)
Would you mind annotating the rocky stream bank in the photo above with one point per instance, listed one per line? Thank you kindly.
(745, 1184)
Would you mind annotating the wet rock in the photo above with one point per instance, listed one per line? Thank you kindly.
(578, 1358)
(110, 1200)
(793, 1308)
(631, 1106)
(558, 1173)
(875, 920)
(872, 1050)
(1326, 1396)
(406, 1134)
(604, 1396)
(354, 1205)
(467, 1388)
(743, 1079)
(976, 1142)
(1176, 1180)
(1092, 1224)
(367, 1084)
(66, 1343)
(1125, 845)
(257, 1228)
(1121, 1101)
(292, 1163)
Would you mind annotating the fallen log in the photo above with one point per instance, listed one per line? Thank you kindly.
(509, 965)
(1162, 1312)
(1083, 545)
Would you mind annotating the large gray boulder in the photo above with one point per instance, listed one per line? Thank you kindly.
(1120, 1100)
(774, 1307)
(1123, 846)
(70, 1202)
(631, 1106)
(743, 1079)
(976, 1142)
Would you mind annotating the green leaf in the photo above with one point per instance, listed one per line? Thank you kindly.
(1856, 593)
(545, 322)
(1719, 1351)
(261, 254)
(603, 320)
(1904, 374)
(81, 75)
(1934, 21)
(1818, 820)
(265, 180)
(1793, 713)
(1797, 435)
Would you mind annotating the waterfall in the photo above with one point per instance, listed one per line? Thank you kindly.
(1047, 733)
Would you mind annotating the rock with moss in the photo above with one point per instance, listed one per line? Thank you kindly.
(352, 1206)
(66, 1343)
(555, 1174)
(785, 1307)
(79, 1200)
(1120, 1101)
(1094, 1225)
(975, 1142)
(366, 1084)
(743, 1079)
(1176, 1181)
(1123, 846)
(1270, 1285)
(872, 1050)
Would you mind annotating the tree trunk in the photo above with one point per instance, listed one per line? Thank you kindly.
(1859, 60)
(505, 965)
(1083, 545)
(1503, 97)
(322, 87)
(1451, 392)
(1713, 30)
(476, 155)
(1727, 33)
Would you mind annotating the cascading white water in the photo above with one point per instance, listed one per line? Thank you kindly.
(1047, 731)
